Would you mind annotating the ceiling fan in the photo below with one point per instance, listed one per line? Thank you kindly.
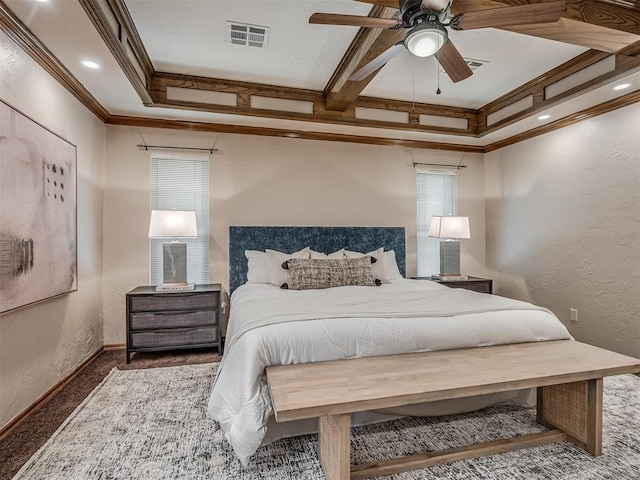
(428, 20)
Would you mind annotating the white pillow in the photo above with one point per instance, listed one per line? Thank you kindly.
(279, 275)
(258, 268)
(318, 255)
(378, 269)
(391, 266)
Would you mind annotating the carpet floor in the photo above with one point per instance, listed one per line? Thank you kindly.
(22, 442)
(143, 424)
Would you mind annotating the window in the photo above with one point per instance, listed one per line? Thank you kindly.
(436, 195)
(181, 183)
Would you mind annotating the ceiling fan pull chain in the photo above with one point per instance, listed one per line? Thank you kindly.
(438, 92)
(413, 84)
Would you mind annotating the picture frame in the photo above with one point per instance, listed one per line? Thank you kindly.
(38, 212)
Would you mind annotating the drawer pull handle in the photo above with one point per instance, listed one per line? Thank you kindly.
(175, 312)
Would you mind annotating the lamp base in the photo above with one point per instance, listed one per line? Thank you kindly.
(449, 258)
(174, 263)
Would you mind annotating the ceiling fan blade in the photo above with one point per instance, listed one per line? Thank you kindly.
(352, 20)
(545, 12)
(377, 63)
(567, 30)
(382, 3)
(453, 63)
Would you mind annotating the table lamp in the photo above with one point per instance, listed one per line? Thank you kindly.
(173, 224)
(450, 229)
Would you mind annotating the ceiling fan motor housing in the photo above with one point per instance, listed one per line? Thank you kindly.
(411, 11)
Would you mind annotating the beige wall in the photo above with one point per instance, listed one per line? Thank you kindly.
(563, 225)
(41, 344)
(269, 181)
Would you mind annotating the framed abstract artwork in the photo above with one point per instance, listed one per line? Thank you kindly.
(38, 238)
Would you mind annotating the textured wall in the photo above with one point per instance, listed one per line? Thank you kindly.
(270, 181)
(563, 225)
(41, 344)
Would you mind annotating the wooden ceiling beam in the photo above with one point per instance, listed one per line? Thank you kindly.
(613, 14)
(368, 43)
(198, 93)
(579, 33)
(608, 25)
(632, 50)
(341, 98)
(383, 3)
(130, 35)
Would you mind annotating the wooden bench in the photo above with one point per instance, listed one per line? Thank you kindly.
(568, 376)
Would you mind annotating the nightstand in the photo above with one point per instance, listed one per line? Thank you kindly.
(477, 284)
(181, 319)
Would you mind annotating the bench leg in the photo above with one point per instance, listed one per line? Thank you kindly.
(334, 445)
(575, 408)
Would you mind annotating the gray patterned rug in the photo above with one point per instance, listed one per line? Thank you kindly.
(152, 424)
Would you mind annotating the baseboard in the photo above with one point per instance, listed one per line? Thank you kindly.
(44, 398)
(115, 346)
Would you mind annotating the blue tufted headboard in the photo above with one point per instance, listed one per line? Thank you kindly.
(321, 239)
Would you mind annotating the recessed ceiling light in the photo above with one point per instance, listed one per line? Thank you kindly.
(544, 117)
(622, 86)
(42, 1)
(90, 64)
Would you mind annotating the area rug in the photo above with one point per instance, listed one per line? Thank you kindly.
(152, 424)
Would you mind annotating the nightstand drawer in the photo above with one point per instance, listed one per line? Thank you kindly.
(174, 337)
(197, 318)
(172, 301)
(482, 287)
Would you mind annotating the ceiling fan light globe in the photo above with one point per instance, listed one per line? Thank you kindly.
(425, 39)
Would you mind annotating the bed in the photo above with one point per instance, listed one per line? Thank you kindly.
(274, 326)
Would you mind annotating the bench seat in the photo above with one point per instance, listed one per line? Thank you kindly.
(567, 374)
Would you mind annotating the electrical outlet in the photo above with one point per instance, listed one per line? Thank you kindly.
(574, 315)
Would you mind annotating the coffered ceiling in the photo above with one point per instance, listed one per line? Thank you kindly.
(170, 63)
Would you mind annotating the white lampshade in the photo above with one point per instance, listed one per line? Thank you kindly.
(449, 227)
(173, 224)
(425, 39)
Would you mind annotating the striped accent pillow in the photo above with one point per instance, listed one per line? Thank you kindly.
(310, 274)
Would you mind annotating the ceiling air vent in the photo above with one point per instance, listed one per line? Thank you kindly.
(248, 35)
(474, 64)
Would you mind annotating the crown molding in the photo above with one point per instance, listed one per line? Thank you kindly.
(284, 133)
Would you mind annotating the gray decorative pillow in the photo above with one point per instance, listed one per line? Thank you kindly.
(308, 274)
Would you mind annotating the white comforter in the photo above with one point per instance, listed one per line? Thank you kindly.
(240, 400)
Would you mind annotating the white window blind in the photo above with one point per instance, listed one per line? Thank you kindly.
(182, 184)
(436, 195)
